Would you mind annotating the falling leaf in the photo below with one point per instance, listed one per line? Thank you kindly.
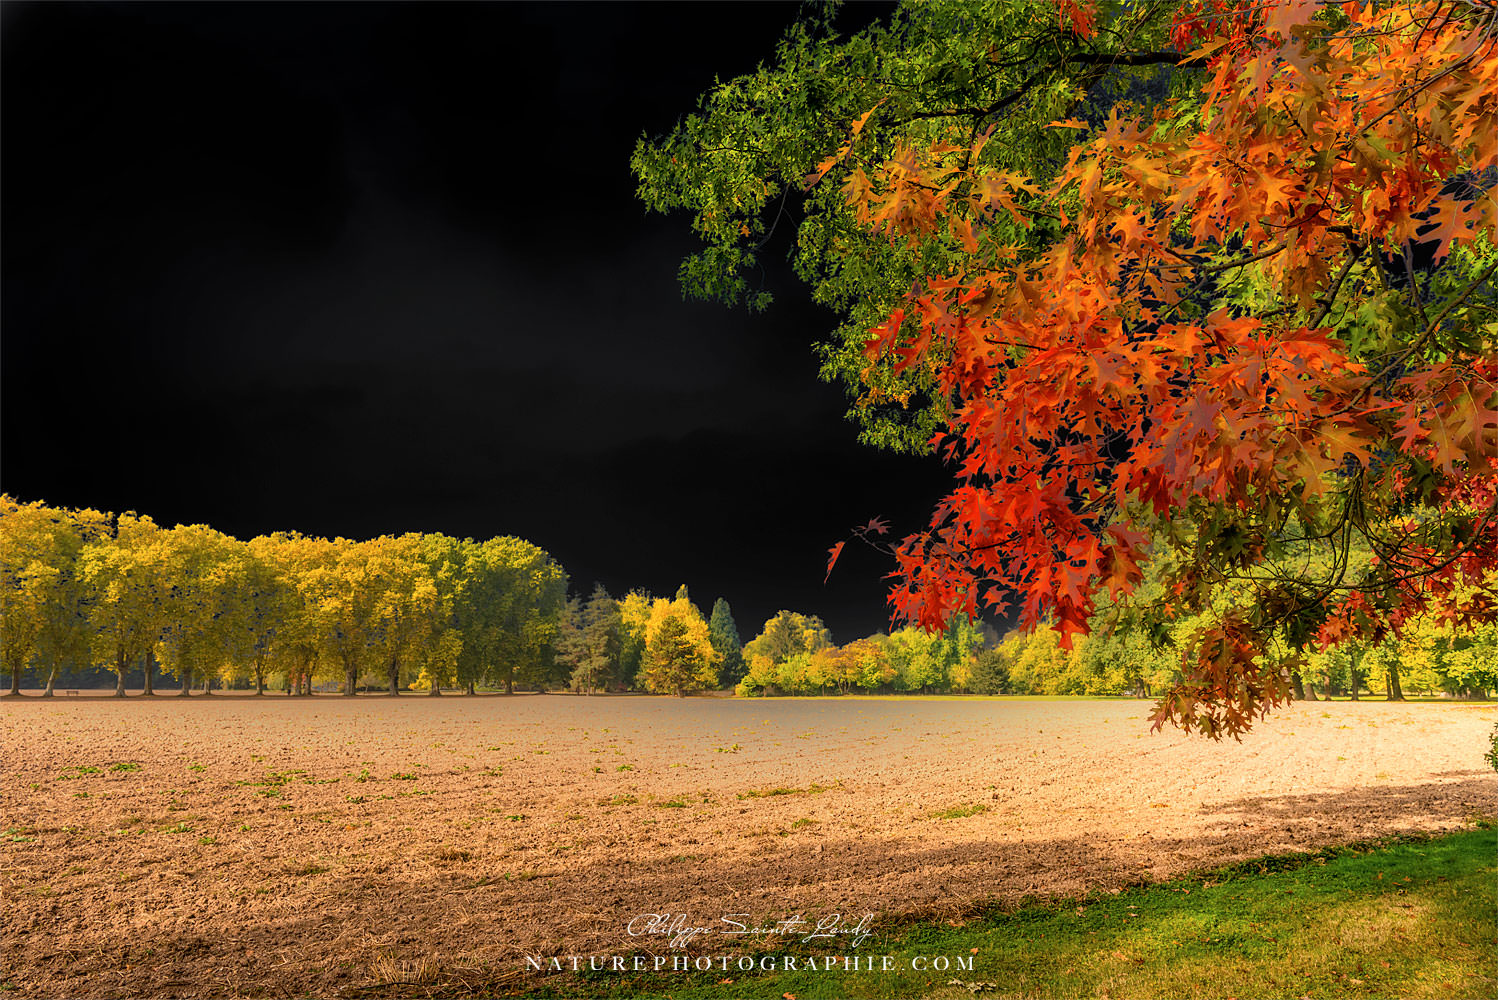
(832, 555)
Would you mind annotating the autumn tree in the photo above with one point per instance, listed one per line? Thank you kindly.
(198, 569)
(413, 630)
(262, 614)
(346, 592)
(439, 641)
(120, 572)
(1215, 274)
(674, 663)
(290, 618)
(679, 653)
(41, 604)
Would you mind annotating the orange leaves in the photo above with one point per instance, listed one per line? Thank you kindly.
(995, 189)
(811, 179)
(1448, 418)
(1168, 361)
(1227, 682)
(1078, 17)
(832, 555)
(1119, 567)
(962, 231)
(884, 335)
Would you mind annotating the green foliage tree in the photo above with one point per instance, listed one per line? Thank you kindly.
(725, 636)
(591, 641)
(509, 609)
(787, 634)
(990, 673)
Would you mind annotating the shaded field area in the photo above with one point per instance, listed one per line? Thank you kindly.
(242, 846)
(1414, 917)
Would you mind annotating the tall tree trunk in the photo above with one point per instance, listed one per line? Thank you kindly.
(436, 689)
(509, 685)
(15, 681)
(350, 680)
(1296, 686)
(51, 682)
(148, 689)
(1396, 693)
(119, 670)
(186, 691)
(470, 687)
(306, 681)
(260, 680)
(395, 676)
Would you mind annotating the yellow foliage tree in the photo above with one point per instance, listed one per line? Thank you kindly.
(679, 653)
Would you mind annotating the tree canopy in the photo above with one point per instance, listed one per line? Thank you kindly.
(1204, 284)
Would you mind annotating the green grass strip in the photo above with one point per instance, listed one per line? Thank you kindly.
(1402, 919)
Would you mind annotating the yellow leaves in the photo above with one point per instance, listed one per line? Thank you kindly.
(1200, 54)
(684, 611)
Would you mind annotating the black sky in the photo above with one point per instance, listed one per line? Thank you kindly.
(354, 269)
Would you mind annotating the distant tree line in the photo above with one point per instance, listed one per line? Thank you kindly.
(82, 589)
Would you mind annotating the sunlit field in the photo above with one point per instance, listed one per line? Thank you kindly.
(260, 846)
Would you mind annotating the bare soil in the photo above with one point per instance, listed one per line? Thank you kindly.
(232, 845)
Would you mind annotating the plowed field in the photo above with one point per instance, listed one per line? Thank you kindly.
(273, 846)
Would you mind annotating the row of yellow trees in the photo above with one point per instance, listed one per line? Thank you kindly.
(86, 587)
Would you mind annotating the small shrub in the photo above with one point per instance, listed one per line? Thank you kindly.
(1492, 755)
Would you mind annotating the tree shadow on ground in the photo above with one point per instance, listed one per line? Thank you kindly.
(425, 925)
